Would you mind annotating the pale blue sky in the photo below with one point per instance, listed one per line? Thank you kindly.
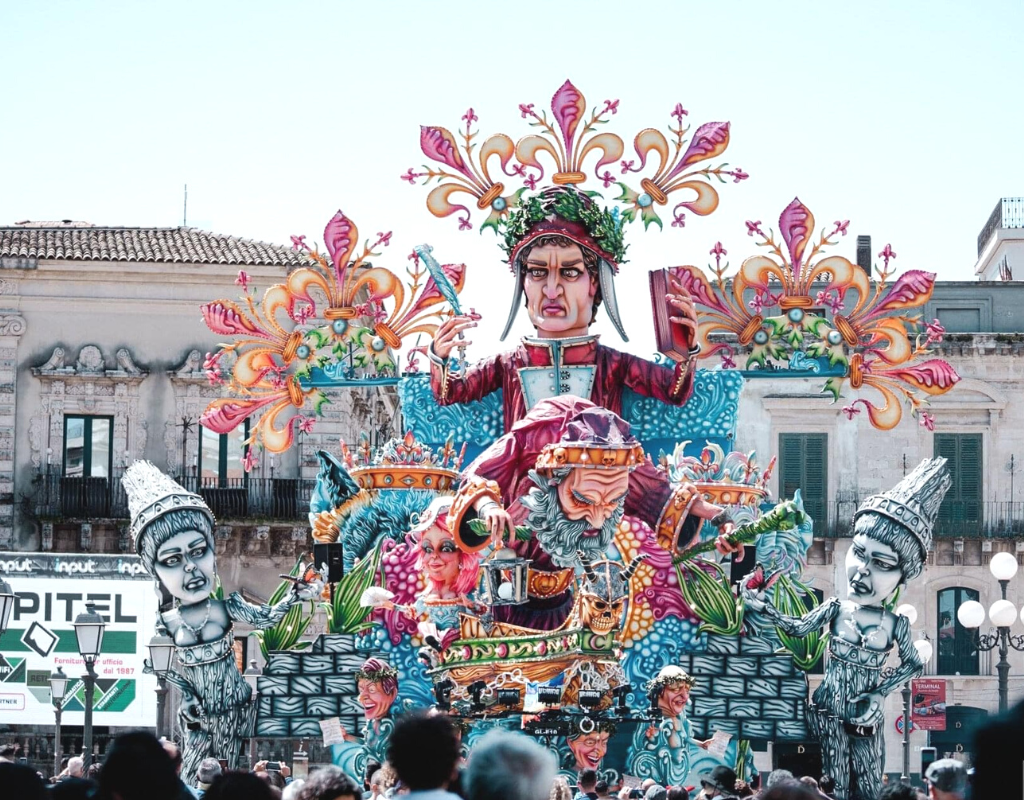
(903, 117)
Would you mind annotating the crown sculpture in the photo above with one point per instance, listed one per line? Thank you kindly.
(828, 318)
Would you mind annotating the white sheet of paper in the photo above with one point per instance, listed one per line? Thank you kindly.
(718, 743)
(631, 782)
(332, 731)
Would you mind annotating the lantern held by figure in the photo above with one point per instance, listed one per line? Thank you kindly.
(505, 579)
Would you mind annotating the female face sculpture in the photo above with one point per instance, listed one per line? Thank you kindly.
(589, 749)
(374, 698)
(873, 571)
(186, 566)
(439, 555)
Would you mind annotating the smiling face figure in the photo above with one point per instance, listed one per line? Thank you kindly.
(589, 749)
(673, 699)
(593, 495)
(872, 571)
(375, 701)
(186, 566)
(559, 291)
(439, 556)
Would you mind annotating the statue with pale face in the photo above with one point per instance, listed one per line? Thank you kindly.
(891, 538)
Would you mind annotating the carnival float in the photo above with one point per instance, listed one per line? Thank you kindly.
(556, 542)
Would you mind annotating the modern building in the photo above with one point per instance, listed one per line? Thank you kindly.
(1001, 242)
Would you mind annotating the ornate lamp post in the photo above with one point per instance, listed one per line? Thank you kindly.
(251, 675)
(161, 651)
(89, 627)
(58, 688)
(1002, 614)
(7, 598)
(924, 651)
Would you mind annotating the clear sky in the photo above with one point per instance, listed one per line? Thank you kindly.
(904, 117)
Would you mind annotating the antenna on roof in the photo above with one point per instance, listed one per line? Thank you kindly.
(184, 213)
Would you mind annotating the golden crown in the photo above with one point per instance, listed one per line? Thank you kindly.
(404, 463)
(563, 454)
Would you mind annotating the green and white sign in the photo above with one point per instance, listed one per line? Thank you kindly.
(52, 589)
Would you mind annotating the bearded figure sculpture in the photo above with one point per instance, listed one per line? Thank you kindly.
(568, 472)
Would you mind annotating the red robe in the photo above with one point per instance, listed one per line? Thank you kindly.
(500, 473)
(613, 372)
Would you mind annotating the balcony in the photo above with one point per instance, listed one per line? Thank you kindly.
(285, 499)
(1008, 213)
(957, 520)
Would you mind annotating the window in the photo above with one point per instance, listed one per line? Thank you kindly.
(220, 457)
(87, 452)
(957, 653)
(960, 512)
(803, 465)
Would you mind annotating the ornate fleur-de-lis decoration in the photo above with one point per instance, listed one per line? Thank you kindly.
(364, 312)
(677, 170)
(875, 343)
(467, 170)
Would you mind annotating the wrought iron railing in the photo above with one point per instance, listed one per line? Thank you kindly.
(958, 519)
(1008, 213)
(77, 498)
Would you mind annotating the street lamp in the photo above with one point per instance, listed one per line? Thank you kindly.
(89, 628)
(7, 598)
(58, 688)
(924, 651)
(1002, 614)
(252, 675)
(161, 651)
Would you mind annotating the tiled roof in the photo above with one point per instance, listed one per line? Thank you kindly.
(174, 245)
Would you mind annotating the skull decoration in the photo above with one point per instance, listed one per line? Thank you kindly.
(604, 591)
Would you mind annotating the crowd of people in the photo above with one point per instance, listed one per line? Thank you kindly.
(424, 763)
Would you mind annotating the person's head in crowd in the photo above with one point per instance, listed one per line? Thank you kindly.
(646, 784)
(777, 776)
(372, 768)
(826, 784)
(807, 780)
(898, 791)
(21, 781)
(174, 753)
(790, 789)
(76, 767)
(720, 782)
(655, 792)
(947, 779)
(329, 783)
(509, 766)
(137, 767)
(209, 769)
(239, 786)
(601, 787)
(94, 771)
(560, 789)
(291, 791)
(587, 780)
(743, 789)
(424, 751)
(678, 793)
(272, 777)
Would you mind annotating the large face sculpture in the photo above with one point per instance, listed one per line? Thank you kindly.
(673, 699)
(376, 702)
(439, 556)
(872, 571)
(593, 495)
(589, 749)
(559, 290)
(186, 566)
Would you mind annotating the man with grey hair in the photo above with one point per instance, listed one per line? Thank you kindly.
(209, 769)
(509, 766)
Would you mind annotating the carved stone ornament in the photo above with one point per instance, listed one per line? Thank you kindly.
(90, 359)
(12, 325)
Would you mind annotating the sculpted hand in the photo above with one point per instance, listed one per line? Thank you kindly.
(498, 520)
(873, 714)
(682, 301)
(705, 510)
(447, 334)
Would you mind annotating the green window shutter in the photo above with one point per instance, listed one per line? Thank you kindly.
(804, 466)
(962, 505)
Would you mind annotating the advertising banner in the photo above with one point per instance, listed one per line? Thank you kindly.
(52, 589)
(928, 704)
